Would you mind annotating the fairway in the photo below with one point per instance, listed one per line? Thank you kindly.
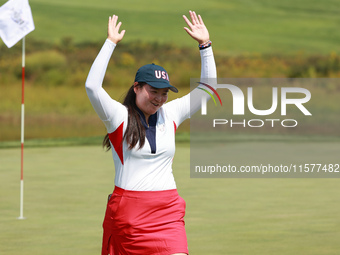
(66, 190)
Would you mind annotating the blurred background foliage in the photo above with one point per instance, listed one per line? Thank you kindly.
(57, 105)
(261, 39)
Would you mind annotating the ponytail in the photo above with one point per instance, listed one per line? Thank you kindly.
(106, 143)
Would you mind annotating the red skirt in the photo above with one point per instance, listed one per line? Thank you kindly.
(144, 222)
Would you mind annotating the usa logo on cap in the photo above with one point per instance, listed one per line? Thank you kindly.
(161, 75)
(154, 75)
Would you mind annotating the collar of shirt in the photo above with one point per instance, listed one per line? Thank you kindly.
(150, 129)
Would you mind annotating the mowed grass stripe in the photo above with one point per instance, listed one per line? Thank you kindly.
(265, 27)
(66, 190)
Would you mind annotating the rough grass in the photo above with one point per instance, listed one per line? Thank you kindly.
(52, 112)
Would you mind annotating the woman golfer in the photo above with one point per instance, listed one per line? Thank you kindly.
(145, 214)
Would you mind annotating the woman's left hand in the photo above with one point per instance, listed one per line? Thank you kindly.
(197, 30)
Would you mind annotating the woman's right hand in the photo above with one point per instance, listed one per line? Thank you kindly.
(113, 30)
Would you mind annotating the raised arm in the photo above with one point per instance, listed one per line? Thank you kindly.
(103, 104)
(182, 108)
(199, 32)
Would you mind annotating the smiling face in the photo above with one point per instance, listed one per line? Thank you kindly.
(150, 99)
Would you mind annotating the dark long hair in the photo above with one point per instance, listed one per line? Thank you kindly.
(135, 131)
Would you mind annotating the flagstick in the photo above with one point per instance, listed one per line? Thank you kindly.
(21, 217)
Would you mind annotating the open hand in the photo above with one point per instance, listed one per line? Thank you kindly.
(113, 30)
(197, 30)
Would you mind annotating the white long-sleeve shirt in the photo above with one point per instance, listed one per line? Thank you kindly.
(141, 169)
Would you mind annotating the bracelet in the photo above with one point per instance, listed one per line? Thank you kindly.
(204, 45)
